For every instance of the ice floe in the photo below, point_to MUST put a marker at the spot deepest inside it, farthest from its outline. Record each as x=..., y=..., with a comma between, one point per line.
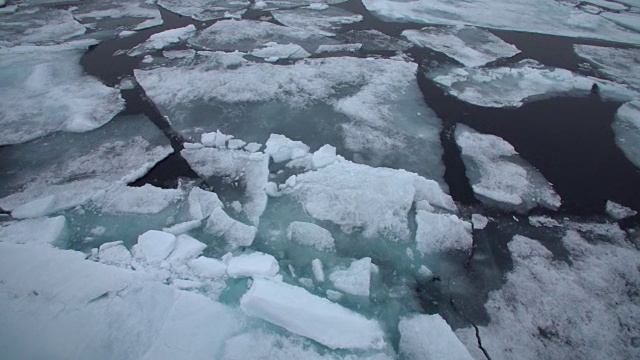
x=36, y=25
x=355, y=280
x=442, y=232
x=254, y=264
x=272, y=52
x=159, y=41
x=204, y=10
x=374, y=40
x=618, y=211
x=468, y=45
x=338, y=48
x=629, y=20
x=479, y=221
x=499, y=176
x=113, y=16
x=33, y=231
x=323, y=22
x=312, y=235
x=281, y=148
x=147, y=199
x=608, y=5
x=614, y=63
x=429, y=337
x=626, y=128
x=234, y=232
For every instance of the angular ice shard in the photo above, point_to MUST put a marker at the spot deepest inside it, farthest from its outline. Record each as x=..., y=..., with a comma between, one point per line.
x=34, y=209
x=355, y=280
x=323, y=22
x=544, y=16
x=38, y=25
x=281, y=148
x=614, y=63
x=159, y=41
x=338, y=48
x=618, y=211
x=317, y=269
x=235, y=233
x=302, y=313
x=186, y=249
x=312, y=235
x=43, y=89
x=526, y=81
x=205, y=10
x=468, y=45
x=550, y=309
x=626, y=128
x=499, y=176
x=441, y=233
x=374, y=40
x=207, y=268
x=33, y=231
x=429, y=337
x=254, y=264
x=272, y=52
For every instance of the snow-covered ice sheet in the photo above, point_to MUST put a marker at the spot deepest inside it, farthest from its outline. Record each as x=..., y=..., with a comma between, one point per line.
x=442, y=232
x=33, y=231
x=499, y=176
x=147, y=199
x=429, y=337
x=323, y=22
x=609, y=5
x=629, y=20
x=614, y=63
x=468, y=45
x=36, y=25
x=525, y=81
x=626, y=128
x=544, y=16
x=43, y=89
x=159, y=41
x=204, y=10
x=303, y=313
x=254, y=264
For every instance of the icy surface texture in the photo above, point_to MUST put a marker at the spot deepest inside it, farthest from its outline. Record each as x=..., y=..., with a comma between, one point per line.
x=429, y=337
x=479, y=222
x=86, y=165
x=526, y=81
x=355, y=280
x=613, y=63
x=468, y=45
x=254, y=264
x=38, y=25
x=204, y=10
x=544, y=16
x=618, y=211
x=499, y=176
x=272, y=52
x=442, y=232
x=376, y=106
x=33, y=231
x=312, y=235
x=374, y=40
x=323, y=22
x=629, y=20
x=626, y=128
x=113, y=16
x=159, y=41
x=43, y=89
x=584, y=310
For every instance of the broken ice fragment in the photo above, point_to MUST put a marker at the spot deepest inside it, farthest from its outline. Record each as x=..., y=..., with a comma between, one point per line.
x=280, y=51
x=281, y=148
x=159, y=41
x=154, y=246
x=338, y=48
x=38, y=26
x=323, y=22
x=355, y=280
x=318, y=271
x=33, y=231
x=186, y=249
x=254, y=264
x=114, y=253
x=479, y=222
x=215, y=139
x=324, y=156
x=614, y=63
x=374, y=40
x=33, y=209
x=429, y=337
x=183, y=227
x=312, y=235
x=205, y=10
x=618, y=211
x=626, y=128
x=147, y=199
x=202, y=203
x=235, y=233
x=442, y=232
x=207, y=268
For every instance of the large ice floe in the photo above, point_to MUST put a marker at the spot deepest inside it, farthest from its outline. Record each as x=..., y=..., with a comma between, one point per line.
x=113, y=16
x=499, y=176
x=35, y=25
x=613, y=63
x=204, y=10
x=159, y=41
x=468, y=45
x=585, y=308
x=371, y=108
x=525, y=81
x=537, y=16
x=43, y=89
x=322, y=22
x=442, y=342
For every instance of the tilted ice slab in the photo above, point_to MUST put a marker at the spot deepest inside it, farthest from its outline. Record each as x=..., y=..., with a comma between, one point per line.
x=605, y=4
x=116, y=15
x=375, y=200
x=86, y=165
x=550, y=309
x=543, y=16
x=613, y=63
x=37, y=25
x=441, y=233
x=43, y=89
x=247, y=35
x=316, y=318
x=499, y=176
x=429, y=337
x=159, y=41
x=468, y=45
x=626, y=128
x=204, y=10
x=526, y=81
x=324, y=22
x=375, y=105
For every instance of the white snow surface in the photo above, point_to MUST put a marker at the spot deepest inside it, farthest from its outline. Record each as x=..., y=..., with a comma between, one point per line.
x=234, y=232
x=114, y=14
x=355, y=280
x=338, y=48
x=161, y=40
x=499, y=176
x=479, y=221
x=324, y=156
x=442, y=232
x=281, y=148
x=312, y=235
x=38, y=26
x=33, y=231
x=613, y=63
x=202, y=203
x=254, y=264
x=147, y=199
x=154, y=246
x=316, y=318
x=318, y=270
x=626, y=128
x=618, y=211
x=629, y=20
x=429, y=337
x=273, y=52
x=468, y=45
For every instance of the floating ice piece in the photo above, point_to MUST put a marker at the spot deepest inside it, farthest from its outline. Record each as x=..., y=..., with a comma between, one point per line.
x=525, y=81
x=116, y=15
x=324, y=156
x=33, y=209
x=215, y=139
x=114, y=253
x=161, y=40
x=629, y=20
x=626, y=128
x=317, y=269
x=338, y=48
x=249, y=169
x=33, y=231
x=479, y=222
x=234, y=232
x=468, y=45
x=273, y=52
x=618, y=211
x=354, y=280
x=186, y=249
x=614, y=63
x=183, y=227
x=44, y=89
x=147, y=199
x=429, y=337
x=544, y=16
x=499, y=176
x=539, y=220
x=254, y=264
x=323, y=22
x=608, y=5
x=207, y=268
x=235, y=144
x=281, y=148
x=302, y=313
x=154, y=246
x=442, y=232
x=39, y=25
x=312, y=235
x=425, y=272
x=202, y=203
x=374, y=40
x=205, y=10
x=253, y=147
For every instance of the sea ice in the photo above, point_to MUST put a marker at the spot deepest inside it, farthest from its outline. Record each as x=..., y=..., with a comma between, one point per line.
x=317, y=269
x=618, y=211
x=312, y=235
x=608, y=5
x=442, y=232
x=154, y=246
x=629, y=20
x=33, y=231
x=281, y=148
x=234, y=232
x=117, y=15
x=324, y=156
x=338, y=48
x=302, y=313
x=205, y=10
x=114, y=253
x=38, y=26
x=34, y=209
x=525, y=81
x=272, y=52
x=202, y=203
x=468, y=45
x=254, y=264
x=374, y=40
x=429, y=337
x=183, y=227
x=614, y=63
x=323, y=22
x=355, y=280
x=499, y=176
x=626, y=128
x=148, y=199
x=161, y=40
x=207, y=268
x=479, y=222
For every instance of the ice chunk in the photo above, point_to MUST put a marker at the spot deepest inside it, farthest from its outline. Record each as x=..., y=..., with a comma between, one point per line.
x=114, y=253
x=43, y=89
x=202, y=203
x=33, y=209
x=208, y=268
x=186, y=249
x=538, y=221
x=38, y=26
x=302, y=313
x=629, y=20
x=605, y=4
x=183, y=227
x=215, y=139
x=442, y=232
x=253, y=147
x=425, y=272
x=254, y=264
x=479, y=222
x=161, y=40
x=277, y=51
x=374, y=40
x=626, y=128
x=154, y=246
x=249, y=169
x=281, y=148
x=429, y=337
x=544, y=16
x=338, y=48
x=526, y=81
x=499, y=176
x=234, y=232
x=312, y=235
x=614, y=63
x=324, y=22
x=354, y=280
x=324, y=156
x=235, y=144
x=468, y=45
x=112, y=16
x=147, y=199
x=318, y=271
x=33, y=231
x=618, y=211
x=205, y=10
